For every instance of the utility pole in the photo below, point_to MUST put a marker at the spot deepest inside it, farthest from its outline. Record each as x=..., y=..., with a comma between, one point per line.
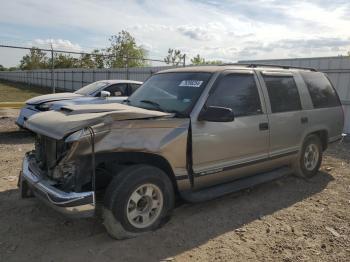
x=184, y=60
x=52, y=72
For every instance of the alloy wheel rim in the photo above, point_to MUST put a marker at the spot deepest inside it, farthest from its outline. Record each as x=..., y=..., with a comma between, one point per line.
x=144, y=205
x=311, y=156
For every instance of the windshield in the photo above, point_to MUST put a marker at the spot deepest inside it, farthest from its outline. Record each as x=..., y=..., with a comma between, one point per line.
x=91, y=88
x=170, y=92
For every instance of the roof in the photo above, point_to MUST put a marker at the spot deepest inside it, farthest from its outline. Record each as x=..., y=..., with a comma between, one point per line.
x=218, y=68
x=118, y=81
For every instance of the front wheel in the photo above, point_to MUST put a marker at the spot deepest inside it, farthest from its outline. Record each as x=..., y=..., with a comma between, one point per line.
x=310, y=157
x=138, y=200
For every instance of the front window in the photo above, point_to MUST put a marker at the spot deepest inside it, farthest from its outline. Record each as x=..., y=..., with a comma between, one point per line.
x=170, y=92
x=91, y=89
x=118, y=89
x=237, y=92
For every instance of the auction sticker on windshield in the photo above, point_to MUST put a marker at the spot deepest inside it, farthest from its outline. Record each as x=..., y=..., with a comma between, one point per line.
x=191, y=83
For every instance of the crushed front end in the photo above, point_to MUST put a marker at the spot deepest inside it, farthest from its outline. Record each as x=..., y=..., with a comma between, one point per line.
x=48, y=173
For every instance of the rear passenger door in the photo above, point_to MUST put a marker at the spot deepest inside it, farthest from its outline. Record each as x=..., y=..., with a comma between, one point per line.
x=286, y=118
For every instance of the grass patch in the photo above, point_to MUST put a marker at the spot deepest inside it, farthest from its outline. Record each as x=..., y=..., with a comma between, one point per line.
x=18, y=92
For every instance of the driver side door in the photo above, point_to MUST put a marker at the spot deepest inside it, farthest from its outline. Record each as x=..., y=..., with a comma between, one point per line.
x=224, y=151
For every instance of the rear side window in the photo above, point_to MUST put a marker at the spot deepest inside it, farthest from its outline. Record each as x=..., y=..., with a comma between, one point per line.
x=283, y=93
x=321, y=91
x=238, y=92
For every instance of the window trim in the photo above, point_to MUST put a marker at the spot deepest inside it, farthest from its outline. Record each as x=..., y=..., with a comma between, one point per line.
x=234, y=72
x=280, y=74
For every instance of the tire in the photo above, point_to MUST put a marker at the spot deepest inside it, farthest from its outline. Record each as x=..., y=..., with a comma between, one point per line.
x=310, y=158
x=138, y=200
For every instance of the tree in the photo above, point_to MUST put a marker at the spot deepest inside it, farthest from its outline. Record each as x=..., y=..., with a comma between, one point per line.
x=86, y=61
x=174, y=57
x=197, y=60
x=64, y=61
x=36, y=59
x=213, y=62
x=99, y=59
x=124, y=51
x=2, y=68
x=94, y=60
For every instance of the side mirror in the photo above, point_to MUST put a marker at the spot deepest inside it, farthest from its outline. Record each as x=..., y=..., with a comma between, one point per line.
x=105, y=94
x=216, y=114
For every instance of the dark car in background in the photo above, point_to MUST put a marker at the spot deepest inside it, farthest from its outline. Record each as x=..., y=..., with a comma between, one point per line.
x=100, y=92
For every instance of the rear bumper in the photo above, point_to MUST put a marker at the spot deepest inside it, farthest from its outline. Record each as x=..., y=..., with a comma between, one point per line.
x=69, y=203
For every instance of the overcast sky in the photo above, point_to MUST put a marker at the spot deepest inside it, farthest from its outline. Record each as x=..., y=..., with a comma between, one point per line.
x=226, y=30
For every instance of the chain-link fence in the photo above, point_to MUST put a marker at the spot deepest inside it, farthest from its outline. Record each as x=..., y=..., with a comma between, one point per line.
x=73, y=79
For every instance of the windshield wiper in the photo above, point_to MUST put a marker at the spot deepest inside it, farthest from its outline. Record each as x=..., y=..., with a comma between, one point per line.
x=177, y=113
x=155, y=104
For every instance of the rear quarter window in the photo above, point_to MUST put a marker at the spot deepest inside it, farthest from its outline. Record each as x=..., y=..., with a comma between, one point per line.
x=321, y=90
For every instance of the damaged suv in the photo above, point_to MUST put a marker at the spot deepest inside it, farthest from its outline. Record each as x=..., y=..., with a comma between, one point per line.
x=196, y=133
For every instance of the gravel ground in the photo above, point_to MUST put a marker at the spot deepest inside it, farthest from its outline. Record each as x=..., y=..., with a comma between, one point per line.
x=286, y=220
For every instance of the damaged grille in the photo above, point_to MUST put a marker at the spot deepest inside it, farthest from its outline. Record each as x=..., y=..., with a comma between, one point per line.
x=48, y=152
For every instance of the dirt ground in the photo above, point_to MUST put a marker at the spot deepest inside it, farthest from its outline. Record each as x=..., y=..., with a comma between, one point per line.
x=285, y=220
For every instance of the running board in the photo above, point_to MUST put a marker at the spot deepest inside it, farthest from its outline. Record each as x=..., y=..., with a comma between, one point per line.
x=234, y=186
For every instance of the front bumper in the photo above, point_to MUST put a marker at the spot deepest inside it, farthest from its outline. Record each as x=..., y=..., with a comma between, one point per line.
x=69, y=203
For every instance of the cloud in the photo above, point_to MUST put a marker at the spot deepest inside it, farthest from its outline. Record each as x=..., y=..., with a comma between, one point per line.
x=60, y=44
x=227, y=30
x=205, y=32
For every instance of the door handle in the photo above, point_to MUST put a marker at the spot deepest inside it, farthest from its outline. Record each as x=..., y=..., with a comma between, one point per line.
x=264, y=126
x=304, y=120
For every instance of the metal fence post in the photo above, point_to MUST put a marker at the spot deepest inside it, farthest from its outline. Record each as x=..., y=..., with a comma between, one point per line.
x=64, y=80
x=52, y=72
x=127, y=67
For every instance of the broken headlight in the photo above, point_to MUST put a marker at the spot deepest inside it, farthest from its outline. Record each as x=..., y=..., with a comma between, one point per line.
x=64, y=171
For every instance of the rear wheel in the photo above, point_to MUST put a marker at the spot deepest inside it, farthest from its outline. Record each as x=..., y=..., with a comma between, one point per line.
x=138, y=200
x=310, y=158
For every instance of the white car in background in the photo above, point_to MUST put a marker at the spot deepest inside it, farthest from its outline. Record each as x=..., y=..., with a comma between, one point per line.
x=100, y=92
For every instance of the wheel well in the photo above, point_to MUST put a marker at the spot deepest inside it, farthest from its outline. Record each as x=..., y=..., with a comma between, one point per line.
x=115, y=162
x=323, y=135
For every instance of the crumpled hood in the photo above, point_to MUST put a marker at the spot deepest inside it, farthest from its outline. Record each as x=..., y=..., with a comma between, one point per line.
x=51, y=97
x=57, y=105
x=58, y=124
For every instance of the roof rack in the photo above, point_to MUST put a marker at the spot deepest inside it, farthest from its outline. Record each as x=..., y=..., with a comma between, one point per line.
x=254, y=65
